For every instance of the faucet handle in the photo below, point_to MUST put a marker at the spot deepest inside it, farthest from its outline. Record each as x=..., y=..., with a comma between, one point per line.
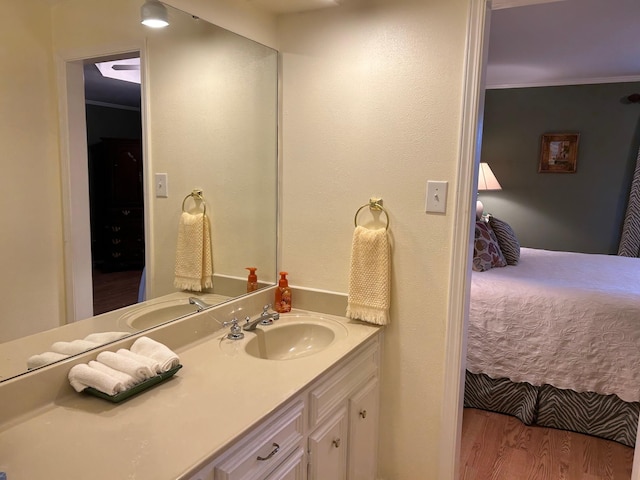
x=233, y=321
x=235, y=330
x=265, y=309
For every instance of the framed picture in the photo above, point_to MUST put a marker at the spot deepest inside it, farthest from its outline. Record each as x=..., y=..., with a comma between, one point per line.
x=559, y=153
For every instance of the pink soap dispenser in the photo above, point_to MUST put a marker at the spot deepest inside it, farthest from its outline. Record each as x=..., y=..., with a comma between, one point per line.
x=282, y=303
x=252, y=280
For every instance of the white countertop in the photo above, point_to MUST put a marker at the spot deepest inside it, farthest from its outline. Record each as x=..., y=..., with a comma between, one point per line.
x=171, y=429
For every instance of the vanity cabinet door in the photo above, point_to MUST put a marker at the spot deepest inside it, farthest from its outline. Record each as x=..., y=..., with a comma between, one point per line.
x=328, y=448
x=363, y=432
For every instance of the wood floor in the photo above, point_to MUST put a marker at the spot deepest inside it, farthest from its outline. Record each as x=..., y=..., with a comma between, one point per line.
x=112, y=290
x=500, y=447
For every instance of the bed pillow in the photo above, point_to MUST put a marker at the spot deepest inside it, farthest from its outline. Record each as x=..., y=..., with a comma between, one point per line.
x=486, y=250
x=509, y=245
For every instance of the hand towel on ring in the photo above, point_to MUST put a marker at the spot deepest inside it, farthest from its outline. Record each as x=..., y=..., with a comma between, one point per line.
x=369, y=276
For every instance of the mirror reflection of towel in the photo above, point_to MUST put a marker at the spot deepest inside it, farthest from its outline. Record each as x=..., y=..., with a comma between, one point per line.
x=194, y=264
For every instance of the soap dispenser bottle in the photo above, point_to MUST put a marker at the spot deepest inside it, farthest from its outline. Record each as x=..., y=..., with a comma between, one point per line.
x=282, y=303
x=252, y=281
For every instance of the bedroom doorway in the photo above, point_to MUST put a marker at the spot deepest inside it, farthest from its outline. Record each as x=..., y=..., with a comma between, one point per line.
x=473, y=119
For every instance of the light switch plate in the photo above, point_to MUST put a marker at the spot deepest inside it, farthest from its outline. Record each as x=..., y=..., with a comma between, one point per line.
x=162, y=187
x=436, y=197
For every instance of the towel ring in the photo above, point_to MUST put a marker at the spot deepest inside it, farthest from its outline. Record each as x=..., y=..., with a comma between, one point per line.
x=196, y=195
x=374, y=204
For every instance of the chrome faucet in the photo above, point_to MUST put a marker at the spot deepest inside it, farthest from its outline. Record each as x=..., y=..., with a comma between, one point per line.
x=200, y=305
x=265, y=318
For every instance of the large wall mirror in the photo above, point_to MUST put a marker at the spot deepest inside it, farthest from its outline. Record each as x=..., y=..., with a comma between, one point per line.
x=208, y=122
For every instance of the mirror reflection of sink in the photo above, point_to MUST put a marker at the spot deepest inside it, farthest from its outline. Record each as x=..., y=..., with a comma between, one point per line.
x=297, y=337
x=161, y=312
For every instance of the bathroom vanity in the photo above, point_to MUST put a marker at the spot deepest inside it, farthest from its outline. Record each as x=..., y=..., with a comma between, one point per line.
x=227, y=414
x=328, y=431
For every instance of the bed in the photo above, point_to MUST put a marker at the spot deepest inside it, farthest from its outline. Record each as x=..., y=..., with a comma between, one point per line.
x=555, y=341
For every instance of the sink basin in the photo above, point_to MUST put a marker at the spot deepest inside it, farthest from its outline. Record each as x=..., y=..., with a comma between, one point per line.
x=161, y=312
x=294, y=338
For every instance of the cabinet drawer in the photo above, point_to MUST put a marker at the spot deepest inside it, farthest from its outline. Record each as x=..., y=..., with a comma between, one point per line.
x=330, y=393
x=293, y=468
x=262, y=451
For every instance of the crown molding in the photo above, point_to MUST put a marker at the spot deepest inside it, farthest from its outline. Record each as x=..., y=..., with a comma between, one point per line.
x=499, y=4
x=566, y=82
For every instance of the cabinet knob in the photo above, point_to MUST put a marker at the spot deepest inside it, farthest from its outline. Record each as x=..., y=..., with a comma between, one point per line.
x=363, y=413
x=273, y=452
x=336, y=443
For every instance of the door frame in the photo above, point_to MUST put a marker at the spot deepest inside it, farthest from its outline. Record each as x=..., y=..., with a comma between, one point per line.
x=75, y=175
x=462, y=241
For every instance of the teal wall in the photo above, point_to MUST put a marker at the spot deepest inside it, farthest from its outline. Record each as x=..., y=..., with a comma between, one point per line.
x=582, y=211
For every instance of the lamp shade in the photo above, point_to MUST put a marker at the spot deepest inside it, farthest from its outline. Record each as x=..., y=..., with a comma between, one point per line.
x=486, y=179
x=154, y=14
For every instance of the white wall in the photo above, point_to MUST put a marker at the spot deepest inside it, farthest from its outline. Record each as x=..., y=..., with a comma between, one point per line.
x=31, y=239
x=371, y=106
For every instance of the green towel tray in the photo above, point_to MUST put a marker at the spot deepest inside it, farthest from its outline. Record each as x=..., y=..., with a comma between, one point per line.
x=140, y=387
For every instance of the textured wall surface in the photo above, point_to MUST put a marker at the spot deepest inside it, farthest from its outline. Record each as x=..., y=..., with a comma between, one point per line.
x=371, y=107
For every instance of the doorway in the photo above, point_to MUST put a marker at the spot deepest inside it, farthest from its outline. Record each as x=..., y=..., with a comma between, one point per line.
x=115, y=174
x=471, y=133
x=106, y=100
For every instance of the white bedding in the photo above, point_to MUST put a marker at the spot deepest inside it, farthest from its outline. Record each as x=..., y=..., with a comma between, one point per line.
x=571, y=320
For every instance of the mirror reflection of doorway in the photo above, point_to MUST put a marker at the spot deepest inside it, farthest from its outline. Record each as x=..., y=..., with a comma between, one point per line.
x=115, y=170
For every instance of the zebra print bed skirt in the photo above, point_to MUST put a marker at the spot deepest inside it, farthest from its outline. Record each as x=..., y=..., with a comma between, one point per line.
x=604, y=416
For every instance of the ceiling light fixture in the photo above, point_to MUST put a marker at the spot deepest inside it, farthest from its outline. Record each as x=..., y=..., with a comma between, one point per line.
x=154, y=14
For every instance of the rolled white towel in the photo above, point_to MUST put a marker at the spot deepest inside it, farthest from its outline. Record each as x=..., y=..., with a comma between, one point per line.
x=127, y=380
x=82, y=376
x=167, y=358
x=44, y=358
x=154, y=365
x=139, y=371
x=105, y=337
x=74, y=347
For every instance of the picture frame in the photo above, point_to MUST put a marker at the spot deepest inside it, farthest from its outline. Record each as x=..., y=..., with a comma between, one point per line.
x=559, y=153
